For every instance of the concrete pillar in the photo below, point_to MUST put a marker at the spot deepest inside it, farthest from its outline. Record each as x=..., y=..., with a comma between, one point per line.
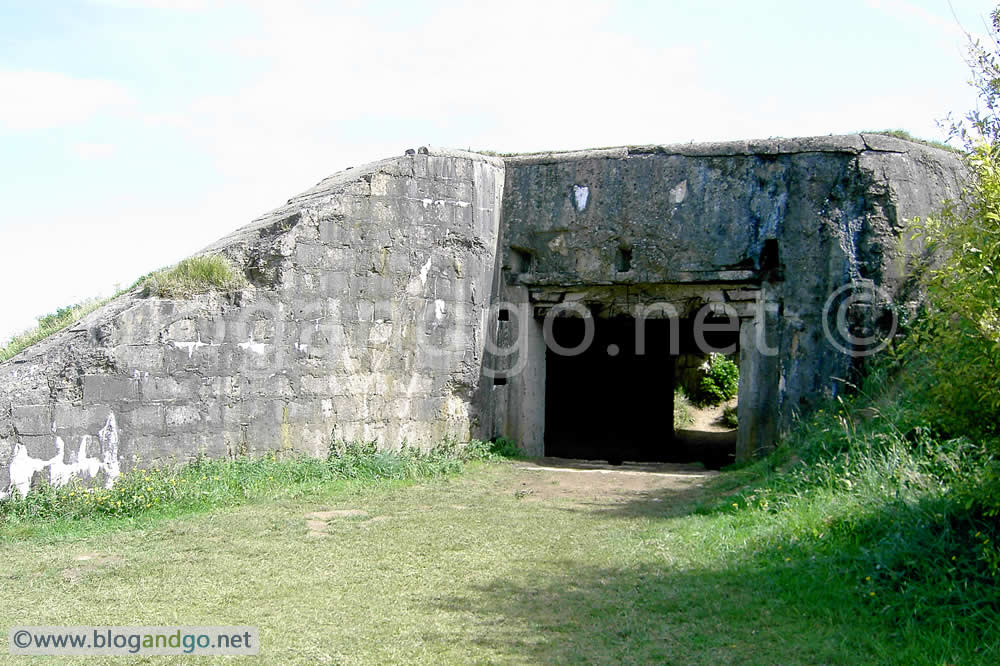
x=526, y=402
x=760, y=379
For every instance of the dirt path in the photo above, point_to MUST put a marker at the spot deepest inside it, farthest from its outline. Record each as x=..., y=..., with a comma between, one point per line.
x=709, y=419
x=590, y=482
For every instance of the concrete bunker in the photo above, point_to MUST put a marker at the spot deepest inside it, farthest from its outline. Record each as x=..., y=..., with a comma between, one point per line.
x=406, y=301
x=605, y=381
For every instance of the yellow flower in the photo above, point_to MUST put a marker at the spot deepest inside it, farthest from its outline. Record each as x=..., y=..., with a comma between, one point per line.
x=871, y=594
x=868, y=577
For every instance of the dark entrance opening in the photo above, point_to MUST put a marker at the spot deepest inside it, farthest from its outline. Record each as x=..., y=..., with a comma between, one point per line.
x=608, y=402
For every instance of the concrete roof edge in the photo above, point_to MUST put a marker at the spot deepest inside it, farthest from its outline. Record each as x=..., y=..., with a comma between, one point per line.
x=844, y=143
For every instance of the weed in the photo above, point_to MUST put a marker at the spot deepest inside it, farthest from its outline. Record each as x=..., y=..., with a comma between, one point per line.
x=196, y=275
x=906, y=136
x=729, y=417
x=682, y=410
x=203, y=484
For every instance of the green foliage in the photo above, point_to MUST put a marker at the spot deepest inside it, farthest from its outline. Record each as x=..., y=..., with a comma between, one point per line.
x=720, y=381
x=196, y=275
x=49, y=325
x=729, y=417
x=949, y=366
x=682, y=410
x=498, y=449
x=858, y=499
x=203, y=484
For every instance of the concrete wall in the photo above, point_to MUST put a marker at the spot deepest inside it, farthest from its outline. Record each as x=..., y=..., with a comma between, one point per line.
x=369, y=313
x=364, y=322
x=783, y=222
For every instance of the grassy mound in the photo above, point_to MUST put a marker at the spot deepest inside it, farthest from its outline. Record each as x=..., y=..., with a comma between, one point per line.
x=878, y=511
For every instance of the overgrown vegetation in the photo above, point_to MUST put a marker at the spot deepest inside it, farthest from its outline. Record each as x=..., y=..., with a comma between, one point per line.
x=205, y=484
x=906, y=136
x=195, y=275
x=682, y=410
x=48, y=325
x=719, y=381
x=729, y=417
x=888, y=499
x=866, y=499
x=54, y=322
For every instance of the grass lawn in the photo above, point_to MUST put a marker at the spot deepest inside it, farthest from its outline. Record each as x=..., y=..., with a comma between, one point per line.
x=505, y=563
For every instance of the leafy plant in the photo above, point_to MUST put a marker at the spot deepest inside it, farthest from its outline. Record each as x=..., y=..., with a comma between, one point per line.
x=729, y=418
x=720, y=380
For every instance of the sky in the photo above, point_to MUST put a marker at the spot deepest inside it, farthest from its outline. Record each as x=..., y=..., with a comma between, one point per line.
x=133, y=133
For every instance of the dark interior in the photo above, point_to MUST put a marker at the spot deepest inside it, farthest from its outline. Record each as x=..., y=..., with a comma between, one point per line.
x=608, y=403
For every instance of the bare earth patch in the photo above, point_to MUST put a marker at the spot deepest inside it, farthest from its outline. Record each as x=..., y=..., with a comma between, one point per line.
x=589, y=482
x=319, y=521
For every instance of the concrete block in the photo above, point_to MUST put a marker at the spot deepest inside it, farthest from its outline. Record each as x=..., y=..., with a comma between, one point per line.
x=109, y=389
x=33, y=419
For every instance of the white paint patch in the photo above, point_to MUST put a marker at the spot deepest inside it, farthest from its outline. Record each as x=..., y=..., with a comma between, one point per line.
x=581, y=193
x=61, y=472
x=440, y=309
x=679, y=192
x=111, y=463
x=23, y=467
x=192, y=346
x=255, y=347
x=425, y=271
x=418, y=284
x=301, y=347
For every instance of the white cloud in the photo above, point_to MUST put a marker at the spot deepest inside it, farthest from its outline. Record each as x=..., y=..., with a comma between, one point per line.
x=947, y=27
x=39, y=100
x=179, y=5
x=93, y=151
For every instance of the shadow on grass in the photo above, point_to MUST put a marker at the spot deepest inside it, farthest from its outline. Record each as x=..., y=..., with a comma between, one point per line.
x=873, y=588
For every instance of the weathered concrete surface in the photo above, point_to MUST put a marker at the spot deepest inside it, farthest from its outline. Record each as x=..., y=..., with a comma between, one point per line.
x=364, y=321
x=368, y=314
x=785, y=222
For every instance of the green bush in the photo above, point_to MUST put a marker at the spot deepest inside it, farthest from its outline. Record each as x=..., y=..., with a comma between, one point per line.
x=720, y=380
x=729, y=417
x=196, y=275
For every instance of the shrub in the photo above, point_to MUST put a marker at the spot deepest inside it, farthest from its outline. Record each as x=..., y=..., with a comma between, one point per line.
x=720, y=381
x=196, y=275
x=729, y=418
